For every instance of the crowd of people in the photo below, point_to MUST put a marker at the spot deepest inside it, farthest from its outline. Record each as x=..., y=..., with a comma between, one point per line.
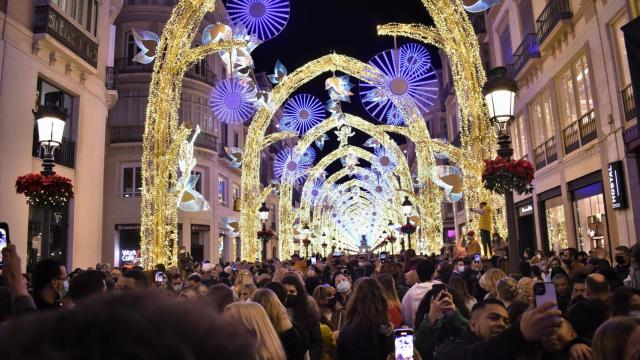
x=336, y=307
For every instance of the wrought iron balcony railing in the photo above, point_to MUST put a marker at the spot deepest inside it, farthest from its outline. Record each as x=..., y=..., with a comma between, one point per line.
x=135, y=134
x=527, y=50
x=553, y=13
x=47, y=20
x=628, y=103
x=580, y=132
x=124, y=66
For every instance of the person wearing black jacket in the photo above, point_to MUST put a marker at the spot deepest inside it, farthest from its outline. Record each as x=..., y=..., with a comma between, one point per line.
x=302, y=312
x=490, y=337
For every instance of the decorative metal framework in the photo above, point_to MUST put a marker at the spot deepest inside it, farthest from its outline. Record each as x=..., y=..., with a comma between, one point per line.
x=163, y=135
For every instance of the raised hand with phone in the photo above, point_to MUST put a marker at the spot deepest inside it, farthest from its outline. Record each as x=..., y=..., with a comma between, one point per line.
x=441, y=306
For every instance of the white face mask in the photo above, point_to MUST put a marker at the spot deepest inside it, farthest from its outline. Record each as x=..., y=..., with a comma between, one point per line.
x=635, y=314
x=461, y=269
x=343, y=286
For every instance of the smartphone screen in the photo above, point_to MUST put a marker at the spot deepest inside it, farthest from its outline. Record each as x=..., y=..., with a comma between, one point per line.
x=159, y=277
x=383, y=256
x=403, y=344
x=4, y=237
x=313, y=260
x=544, y=293
x=476, y=258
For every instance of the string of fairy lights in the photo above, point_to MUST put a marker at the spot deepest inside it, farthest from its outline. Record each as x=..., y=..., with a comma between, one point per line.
x=164, y=134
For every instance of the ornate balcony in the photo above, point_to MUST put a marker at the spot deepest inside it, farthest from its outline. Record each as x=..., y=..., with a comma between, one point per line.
x=546, y=153
x=527, y=50
x=553, y=13
x=48, y=20
x=135, y=133
x=124, y=66
x=628, y=103
x=64, y=155
x=110, y=79
x=580, y=132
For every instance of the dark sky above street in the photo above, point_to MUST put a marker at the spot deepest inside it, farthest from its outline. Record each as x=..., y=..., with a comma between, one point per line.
x=317, y=28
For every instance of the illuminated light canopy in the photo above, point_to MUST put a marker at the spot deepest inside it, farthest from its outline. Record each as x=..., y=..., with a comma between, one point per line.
x=232, y=101
x=408, y=74
x=291, y=168
x=265, y=18
x=301, y=113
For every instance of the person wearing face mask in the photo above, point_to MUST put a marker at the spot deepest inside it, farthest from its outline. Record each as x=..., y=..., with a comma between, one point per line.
x=302, y=312
x=50, y=284
x=325, y=297
x=569, y=258
x=623, y=262
x=343, y=285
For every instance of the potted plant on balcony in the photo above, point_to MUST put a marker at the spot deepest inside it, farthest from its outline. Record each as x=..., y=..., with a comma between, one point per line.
x=502, y=175
x=45, y=190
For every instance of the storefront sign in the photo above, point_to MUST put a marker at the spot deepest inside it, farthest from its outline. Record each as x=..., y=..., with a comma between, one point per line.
x=121, y=227
x=525, y=210
x=616, y=185
x=200, y=228
x=130, y=256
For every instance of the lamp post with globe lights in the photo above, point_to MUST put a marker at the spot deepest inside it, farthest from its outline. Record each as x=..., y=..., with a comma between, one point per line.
x=306, y=242
x=407, y=209
x=264, y=234
x=499, y=93
x=50, y=119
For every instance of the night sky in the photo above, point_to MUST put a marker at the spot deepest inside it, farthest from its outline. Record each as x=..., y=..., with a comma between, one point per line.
x=348, y=27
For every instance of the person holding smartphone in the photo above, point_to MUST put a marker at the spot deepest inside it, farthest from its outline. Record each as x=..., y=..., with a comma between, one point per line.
x=438, y=319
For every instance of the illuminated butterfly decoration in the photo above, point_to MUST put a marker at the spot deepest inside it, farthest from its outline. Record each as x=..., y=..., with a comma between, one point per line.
x=216, y=32
x=372, y=143
x=147, y=42
x=339, y=88
x=481, y=6
x=235, y=155
x=334, y=107
x=320, y=141
x=237, y=60
x=279, y=73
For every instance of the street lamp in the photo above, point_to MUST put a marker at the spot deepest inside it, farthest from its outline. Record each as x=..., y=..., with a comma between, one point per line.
x=264, y=217
x=407, y=209
x=499, y=93
x=324, y=244
x=306, y=231
x=50, y=119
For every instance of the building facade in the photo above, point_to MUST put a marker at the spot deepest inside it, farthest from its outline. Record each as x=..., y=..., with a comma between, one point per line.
x=64, y=47
x=572, y=109
x=207, y=235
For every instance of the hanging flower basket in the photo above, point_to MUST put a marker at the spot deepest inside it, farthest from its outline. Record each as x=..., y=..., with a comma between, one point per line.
x=504, y=175
x=40, y=190
x=265, y=235
x=391, y=239
x=408, y=229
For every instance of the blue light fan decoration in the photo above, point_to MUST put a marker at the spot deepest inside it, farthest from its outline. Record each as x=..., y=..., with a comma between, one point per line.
x=408, y=74
x=265, y=18
x=288, y=167
x=232, y=101
x=301, y=113
x=383, y=161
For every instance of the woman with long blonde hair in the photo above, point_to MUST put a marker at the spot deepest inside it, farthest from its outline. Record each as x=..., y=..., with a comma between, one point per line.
x=489, y=280
x=289, y=335
x=254, y=318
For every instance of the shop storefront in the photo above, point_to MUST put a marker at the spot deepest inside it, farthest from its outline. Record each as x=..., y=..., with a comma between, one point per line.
x=526, y=225
x=58, y=235
x=127, y=244
x=553, y=229
x=589, y=212
x=199, y=236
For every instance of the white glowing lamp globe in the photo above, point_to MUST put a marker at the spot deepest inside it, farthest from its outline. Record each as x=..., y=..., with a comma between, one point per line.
x=50, y=120
x=499, y=94
x=264, y=212
x=50, y=130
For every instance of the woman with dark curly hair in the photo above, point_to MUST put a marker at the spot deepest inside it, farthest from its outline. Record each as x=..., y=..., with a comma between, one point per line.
x=368, y=332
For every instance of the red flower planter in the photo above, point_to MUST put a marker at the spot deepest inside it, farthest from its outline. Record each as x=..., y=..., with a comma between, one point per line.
x=40, y=190
x=504, y=175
